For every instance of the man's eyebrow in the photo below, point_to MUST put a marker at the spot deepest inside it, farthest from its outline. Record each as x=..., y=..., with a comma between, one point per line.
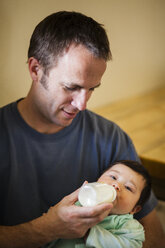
x=71, y=84
x=96, y=86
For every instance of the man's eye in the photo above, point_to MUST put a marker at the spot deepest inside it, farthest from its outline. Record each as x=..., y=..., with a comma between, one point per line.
x=71, y=89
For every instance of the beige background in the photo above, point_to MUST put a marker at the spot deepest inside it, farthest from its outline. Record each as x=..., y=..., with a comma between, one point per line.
x=136, y=29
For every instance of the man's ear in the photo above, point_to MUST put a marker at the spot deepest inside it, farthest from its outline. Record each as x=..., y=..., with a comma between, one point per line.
x=136, y=209
x=34, y=69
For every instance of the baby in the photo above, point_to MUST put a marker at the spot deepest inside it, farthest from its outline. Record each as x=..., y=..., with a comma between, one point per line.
x=118, y=230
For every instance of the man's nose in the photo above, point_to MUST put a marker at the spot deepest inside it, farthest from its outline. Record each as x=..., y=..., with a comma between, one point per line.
x=79, y=101
x=116, y=186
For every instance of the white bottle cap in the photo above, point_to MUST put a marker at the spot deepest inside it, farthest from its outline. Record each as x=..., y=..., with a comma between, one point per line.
x=92, y=194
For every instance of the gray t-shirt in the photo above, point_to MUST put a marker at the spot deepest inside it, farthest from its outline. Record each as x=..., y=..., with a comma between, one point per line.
x=37, y=170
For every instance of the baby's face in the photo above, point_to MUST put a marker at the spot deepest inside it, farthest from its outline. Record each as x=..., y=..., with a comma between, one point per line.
x=128, y=184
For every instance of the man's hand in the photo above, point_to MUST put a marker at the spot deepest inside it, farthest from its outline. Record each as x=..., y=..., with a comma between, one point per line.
x=66, y=220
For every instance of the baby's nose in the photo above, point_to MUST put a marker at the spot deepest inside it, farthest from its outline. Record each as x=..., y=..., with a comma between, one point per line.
x=116, y=186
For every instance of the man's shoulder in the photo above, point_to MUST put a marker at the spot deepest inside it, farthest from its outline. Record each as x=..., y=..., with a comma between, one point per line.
x=7, y=107
x=6, y=112
x=101, y=124
x=98, y=119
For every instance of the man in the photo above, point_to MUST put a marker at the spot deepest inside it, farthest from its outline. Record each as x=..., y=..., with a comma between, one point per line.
x=50, y=144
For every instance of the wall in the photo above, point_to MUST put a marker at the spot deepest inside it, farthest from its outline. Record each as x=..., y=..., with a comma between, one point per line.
x=135, y=29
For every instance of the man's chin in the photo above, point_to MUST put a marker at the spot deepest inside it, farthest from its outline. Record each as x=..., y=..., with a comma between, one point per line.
x=65, y=123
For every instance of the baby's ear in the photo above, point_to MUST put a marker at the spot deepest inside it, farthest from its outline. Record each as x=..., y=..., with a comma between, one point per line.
x=136, y=209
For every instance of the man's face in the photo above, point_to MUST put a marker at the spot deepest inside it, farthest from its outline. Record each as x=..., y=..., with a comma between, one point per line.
x=128, y=184
x=61, y=94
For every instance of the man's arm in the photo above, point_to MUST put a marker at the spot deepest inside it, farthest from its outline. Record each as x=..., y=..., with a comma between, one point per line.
x=64, y=220
x=155, y=237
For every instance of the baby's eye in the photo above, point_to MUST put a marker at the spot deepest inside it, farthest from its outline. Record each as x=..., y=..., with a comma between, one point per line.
x=128, y=188
x=113, y=177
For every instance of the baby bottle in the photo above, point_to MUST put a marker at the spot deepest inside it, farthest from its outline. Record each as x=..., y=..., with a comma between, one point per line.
x=92, y=194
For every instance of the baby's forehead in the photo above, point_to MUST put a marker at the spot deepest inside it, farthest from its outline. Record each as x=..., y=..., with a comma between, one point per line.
x=124, y=167
x=117, y=166
x=120, y=168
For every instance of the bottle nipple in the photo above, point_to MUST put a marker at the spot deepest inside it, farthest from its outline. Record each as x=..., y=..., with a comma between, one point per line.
x=92, y=194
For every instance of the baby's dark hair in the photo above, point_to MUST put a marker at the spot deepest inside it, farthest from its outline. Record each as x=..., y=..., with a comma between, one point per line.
x=140, y=169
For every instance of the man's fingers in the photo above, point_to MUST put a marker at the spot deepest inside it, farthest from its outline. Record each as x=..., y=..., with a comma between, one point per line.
x=96, y=210
x=92, y=215
x=73, y=197
x=82, y=217
x=75, y=219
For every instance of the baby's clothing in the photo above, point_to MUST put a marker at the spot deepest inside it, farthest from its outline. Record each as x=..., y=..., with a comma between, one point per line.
x=116, y=231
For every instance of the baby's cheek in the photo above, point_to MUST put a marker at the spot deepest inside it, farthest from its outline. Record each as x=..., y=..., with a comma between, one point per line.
x=105, y=180
x=124, y=206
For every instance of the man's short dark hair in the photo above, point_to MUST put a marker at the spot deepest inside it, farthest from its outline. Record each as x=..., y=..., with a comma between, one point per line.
x=140, y=169
x=59, y=30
